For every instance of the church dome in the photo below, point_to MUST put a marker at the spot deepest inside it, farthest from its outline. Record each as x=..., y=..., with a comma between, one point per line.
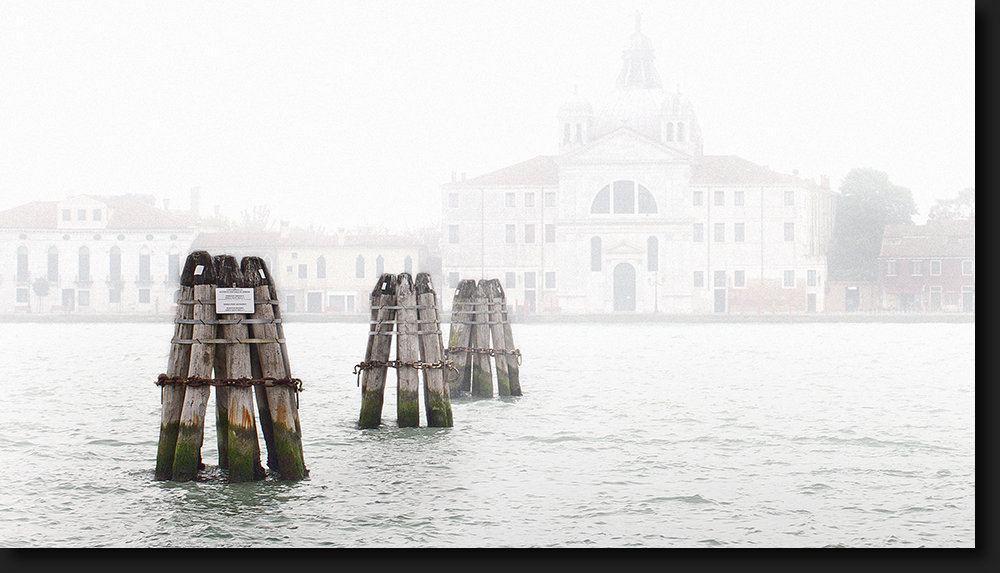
x=636, y=109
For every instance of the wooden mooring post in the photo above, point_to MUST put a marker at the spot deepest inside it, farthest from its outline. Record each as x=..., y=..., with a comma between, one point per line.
x=412, y=309
x=479, y=313
x=227, y=336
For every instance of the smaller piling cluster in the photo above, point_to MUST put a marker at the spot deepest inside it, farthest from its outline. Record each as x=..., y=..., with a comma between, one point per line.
x=243, y=356
x=479, y=313
x=412, y=309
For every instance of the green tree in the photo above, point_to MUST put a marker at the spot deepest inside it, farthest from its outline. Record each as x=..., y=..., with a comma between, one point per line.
x=962, y=207
x=868, y=202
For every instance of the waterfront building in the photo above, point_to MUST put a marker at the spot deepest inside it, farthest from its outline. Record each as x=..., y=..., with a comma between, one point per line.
x=93, y=254
x=929, y=267
x=631, y=216
x=325, y=274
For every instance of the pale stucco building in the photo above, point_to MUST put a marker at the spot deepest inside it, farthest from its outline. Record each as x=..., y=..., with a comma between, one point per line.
x=631, y=216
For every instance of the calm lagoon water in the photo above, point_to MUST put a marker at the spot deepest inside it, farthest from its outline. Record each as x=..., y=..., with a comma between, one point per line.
x=653, y=435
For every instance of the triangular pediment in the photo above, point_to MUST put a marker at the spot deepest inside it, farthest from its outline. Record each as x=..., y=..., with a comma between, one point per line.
x=624, y=145
x=624, y=248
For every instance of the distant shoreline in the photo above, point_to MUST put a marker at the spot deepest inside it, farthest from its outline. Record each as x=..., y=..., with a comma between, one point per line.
x=546, y=318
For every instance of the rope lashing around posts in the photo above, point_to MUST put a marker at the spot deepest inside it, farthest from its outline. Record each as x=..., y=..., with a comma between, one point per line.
x=493, y=352
x=416, y=364
x=164, y=380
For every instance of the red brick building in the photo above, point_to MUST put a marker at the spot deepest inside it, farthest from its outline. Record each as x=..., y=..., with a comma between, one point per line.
x=929, y=268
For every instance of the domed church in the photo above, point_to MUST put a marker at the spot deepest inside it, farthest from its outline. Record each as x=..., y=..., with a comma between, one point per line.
x=632, y=217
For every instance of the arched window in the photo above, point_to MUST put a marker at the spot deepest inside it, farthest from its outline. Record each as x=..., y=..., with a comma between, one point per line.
x=22, y=264
x=84, y=266
x=408, y=265
x=670, y=131
x=646, y=202
x=680, y=131
x=566, y=133
x=602, y=202
x=579, y=133
x=624, y=199
x=379, y=265
x=115, y=265
x=321, y=267
x=595, y=254
x=652, y=254
x=53, y=274
x=359, y=267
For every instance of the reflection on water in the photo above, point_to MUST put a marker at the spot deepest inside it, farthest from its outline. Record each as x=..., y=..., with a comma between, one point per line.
x=661, y=435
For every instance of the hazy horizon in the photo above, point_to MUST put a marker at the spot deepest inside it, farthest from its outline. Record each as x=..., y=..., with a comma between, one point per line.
x=354, y=114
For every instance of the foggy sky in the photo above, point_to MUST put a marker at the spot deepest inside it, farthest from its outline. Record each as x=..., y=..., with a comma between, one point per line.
x=354, y=113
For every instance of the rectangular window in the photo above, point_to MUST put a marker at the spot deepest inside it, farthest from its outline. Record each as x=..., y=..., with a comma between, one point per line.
x=891, y=268
x=510, y=280
x=529, y=280
x=967, y=267
x=115, y=295
x=719, y=279
x=698, y=198
x=53, y=270
x=811, y=279
x=22, y=295
x=916, y=268
x=144, y=274
x=290, y=303
x=453, y=233
x=698, y=232
x=739, y=279
x=550, y=279
x=550, y=233
x=699, y=279
x=508, y=199
x=453, y=200
x=738, y=198
x=303, y=271
x=97, y=214
x=529, y=199
x=720, y=198
x=453, y=280
x=66, y=215
x=321, y=268
x=81, y=214
x=550, y=199
x=720, y=232
x=789, y=198
x=789, y=232
x=173, y=267
x=529, y=233
x=935, y=268
x=83, y=298
x=144, y=295
x=935, y=298
x=739, y=232
x=509, y=233
x=789, y=279
x=295, y=255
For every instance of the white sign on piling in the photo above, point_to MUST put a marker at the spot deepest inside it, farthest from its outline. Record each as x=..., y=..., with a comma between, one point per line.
x=234, y=301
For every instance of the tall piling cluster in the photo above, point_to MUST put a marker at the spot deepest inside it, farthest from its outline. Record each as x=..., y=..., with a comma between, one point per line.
x=479, y=314
x=232, y=340
x=411, y=308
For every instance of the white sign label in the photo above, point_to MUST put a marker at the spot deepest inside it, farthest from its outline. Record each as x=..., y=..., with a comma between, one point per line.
x=234, y=301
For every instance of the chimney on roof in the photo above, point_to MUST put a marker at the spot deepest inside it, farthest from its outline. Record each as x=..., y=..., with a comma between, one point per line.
x=463, y=176
x=196, y=202
x=340, y=235
x=454, y=177
x=283, y=233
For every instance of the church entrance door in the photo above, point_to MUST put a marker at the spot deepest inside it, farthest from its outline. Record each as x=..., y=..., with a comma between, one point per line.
x=624, y=287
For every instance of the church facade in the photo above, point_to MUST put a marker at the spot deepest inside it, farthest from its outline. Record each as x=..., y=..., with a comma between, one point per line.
x=631, y=216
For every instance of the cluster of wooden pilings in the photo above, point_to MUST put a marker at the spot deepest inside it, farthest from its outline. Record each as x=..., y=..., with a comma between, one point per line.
x=243, y=356
x=479, y=313
x=412, y=309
